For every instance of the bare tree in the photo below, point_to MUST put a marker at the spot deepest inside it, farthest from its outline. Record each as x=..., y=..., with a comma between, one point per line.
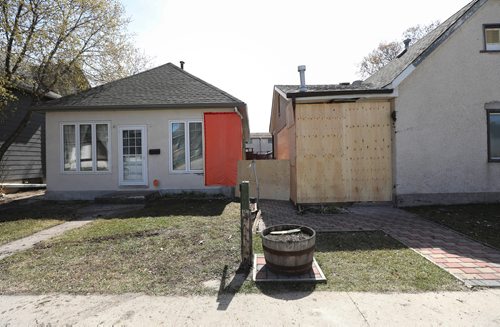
x=44, y=41
x=415, y=33
x=388, y=51
x=378, y=58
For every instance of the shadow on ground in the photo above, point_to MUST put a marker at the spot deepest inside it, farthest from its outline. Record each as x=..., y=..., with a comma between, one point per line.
x=41, y=209
x=72, y=210
x=179, y=207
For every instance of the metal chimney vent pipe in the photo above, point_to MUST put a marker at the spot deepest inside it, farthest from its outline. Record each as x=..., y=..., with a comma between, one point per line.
x=182, y=65
x=407, y=43
x=302, y=71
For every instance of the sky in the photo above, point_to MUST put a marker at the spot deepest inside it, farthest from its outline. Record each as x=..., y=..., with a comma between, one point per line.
x=247, y=47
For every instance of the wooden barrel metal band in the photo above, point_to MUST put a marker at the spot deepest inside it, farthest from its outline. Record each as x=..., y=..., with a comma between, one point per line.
x=287, y=269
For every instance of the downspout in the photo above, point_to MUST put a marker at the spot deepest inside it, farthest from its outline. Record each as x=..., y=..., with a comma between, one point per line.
x=242, y=127
x=238, y=112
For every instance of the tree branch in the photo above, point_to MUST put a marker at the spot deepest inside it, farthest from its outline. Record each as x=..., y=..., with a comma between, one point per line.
x=10, y=41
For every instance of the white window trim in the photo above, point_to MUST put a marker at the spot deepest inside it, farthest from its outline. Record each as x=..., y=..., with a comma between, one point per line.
x=145, y=178
x=188, y=169
x=94, y=170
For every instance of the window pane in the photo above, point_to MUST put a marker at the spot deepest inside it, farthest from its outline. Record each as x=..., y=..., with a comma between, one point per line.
x=69, y=141
x=86, y=147
x=195, y=146
x=492, y=36
x=102, y=139
x=495, y=136
x=492, y=39
x=178, y=147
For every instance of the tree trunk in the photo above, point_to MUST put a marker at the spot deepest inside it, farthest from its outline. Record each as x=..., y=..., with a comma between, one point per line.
x=12, y=137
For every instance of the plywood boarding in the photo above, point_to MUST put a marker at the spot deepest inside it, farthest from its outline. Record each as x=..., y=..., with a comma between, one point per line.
x=293, y=163
x=283, y=145
x=273, y=175
x=343, y=152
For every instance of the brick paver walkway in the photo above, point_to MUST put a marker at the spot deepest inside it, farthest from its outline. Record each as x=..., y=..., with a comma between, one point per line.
x=472, y=262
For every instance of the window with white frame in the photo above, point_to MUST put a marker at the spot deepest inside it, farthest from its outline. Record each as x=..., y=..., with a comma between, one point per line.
x=492, y=37
x=186, y=144
x=493, y=117
x=85, y=147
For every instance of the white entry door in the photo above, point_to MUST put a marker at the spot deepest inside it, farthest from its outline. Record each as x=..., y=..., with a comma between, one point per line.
x=133, y=166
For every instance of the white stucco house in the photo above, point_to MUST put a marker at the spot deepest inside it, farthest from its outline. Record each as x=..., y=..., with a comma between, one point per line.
x=423, y=130
x=160, y=130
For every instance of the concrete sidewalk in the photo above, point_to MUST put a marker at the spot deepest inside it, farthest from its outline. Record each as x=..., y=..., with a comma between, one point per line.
x=480, y=308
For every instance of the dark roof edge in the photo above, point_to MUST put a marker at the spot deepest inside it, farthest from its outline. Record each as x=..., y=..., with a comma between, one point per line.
x=143, y=107
x=294, y=95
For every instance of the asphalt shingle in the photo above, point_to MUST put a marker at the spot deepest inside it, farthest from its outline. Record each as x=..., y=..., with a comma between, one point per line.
x=166, y=85
x=417, y=52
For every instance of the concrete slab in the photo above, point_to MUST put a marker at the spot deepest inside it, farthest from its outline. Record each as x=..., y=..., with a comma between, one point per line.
x=430, y=309
x=313, y=309
x=261, y=273
x=323, y=309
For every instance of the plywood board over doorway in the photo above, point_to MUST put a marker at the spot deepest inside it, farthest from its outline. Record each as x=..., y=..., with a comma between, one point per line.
x=343, y=152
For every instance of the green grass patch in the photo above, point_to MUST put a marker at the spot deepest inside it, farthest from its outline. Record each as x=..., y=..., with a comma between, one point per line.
x=170, y=247
x=368, y=262
x=21, y=220
x=478, y=221
x=173, y=246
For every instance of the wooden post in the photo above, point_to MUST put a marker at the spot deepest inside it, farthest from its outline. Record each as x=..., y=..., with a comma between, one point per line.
x=246, y=227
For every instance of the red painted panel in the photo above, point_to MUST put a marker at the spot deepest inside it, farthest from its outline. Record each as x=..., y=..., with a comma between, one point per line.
x=223, y=148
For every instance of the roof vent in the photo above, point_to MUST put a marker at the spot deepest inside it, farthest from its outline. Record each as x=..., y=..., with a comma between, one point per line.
x=407, y=43
x=302, y=71
x=182, y=65
x=407, y=46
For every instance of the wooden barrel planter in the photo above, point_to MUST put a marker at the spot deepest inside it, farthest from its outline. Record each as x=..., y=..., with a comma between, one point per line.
x=289, y=254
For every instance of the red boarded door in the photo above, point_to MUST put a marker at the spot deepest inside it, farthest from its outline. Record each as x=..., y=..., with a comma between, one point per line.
x=223, y=148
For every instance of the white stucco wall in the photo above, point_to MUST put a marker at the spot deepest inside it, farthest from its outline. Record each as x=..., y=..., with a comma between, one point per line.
x=441, y=130
x=157, y=123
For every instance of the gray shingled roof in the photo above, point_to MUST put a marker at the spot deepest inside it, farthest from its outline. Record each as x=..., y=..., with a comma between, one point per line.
x=358, y=87
x=164, y=86
x=421, y=49
x=325, y=87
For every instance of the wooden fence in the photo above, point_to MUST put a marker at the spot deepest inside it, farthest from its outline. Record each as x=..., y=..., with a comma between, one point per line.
x=273, y=177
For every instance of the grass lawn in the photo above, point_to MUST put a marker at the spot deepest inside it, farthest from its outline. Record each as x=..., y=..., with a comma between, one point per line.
x=370, y=262
x=478, y=221
x=173, y=246
x=18, y=221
